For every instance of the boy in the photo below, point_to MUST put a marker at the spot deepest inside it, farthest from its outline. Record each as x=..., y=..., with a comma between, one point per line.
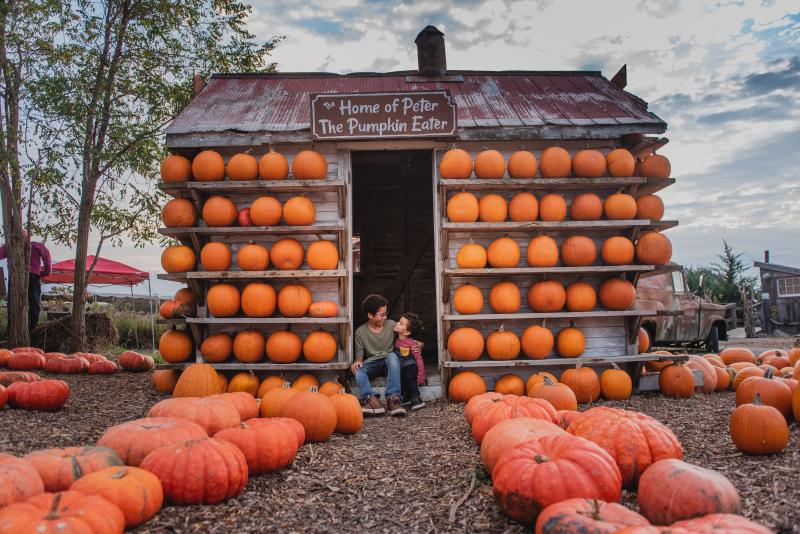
x=374, y=356
x=412, y=369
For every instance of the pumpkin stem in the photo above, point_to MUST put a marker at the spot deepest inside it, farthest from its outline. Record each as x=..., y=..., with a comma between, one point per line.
x=544, y=323
x=768, y=374
x=540, y=459
x=313, y=389
x=286, y=385
x=757, y=400
x=52, y=514
x=614, y=365
x=546, y=381
x=120, y=473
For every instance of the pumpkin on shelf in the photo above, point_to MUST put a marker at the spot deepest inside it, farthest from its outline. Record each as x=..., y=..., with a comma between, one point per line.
x=242, y=166
x=170, y=309
x=506, y=435
x=178, y=259
x=197, y=380
x=219, y=211
x=299, y=211
x=59, y=468
x=588, y=164
x=617, y=250
x=273, y=166
x=503, y=253
x=465, y=385
x=553, y=208
x=490, y=165
x=617, y=294
x=510, y=384
x=537, y=342
x=208, y=166
x=578, y=251
x=504, y=297
x=502, y=345
x=243, y=218
x=619, y=206
x=266, y=211
x=570, y=342
x=616, y=384
x=19, y=480
x=284, y=347
x=40, y=395
x=244, y=381
x=523, y=207
x=677, y=381
x=586, y=207
x=287, y=254
x=217, y=348
x=323, y=308
x=164, y=380
x=179, y=212
x=269, y=383
x=175, y=169
x=136, y=492
x=223, y=300
x=267, y=445
x=463, y=208
x=492, y=208
x=319, y=347
x=656, y=166
x=649, y=207
x=136, y=363
x=66, y=511
x=547, y=296
x=309, y=165
x=215, y=256
x=175, y=346
x=471, y=256
x=259, y=299
x=561, y=396
x=757, y=428
x=621, y=163
x=583, y=381
x=653, y=248
x=305, y=381
x=465, y=344
x=252, y=257
x=555, y=162
x=536, y=379
x=456, y=164
x=315, y=412
x=322, y=255
x=294, y=300
x=330, y=387
x=468, y=299
x=522, y=164
x=249, y=346
x=581, y=297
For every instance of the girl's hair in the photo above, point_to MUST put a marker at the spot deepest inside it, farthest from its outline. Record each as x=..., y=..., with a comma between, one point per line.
x=415, y=326
x=373, y=303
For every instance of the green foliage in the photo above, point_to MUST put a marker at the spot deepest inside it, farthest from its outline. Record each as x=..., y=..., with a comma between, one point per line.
x=132, y=326
x=722, y=280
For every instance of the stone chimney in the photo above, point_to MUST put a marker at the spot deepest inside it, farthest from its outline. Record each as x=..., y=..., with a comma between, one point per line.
x=430, y=52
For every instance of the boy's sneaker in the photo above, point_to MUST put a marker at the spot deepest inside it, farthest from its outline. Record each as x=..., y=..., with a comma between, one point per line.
x=406, y=401
x=417, y=403
x=394, y=407
x=372, y=406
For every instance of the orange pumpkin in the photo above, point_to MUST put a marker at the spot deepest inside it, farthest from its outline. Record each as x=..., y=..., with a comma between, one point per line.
x=588, y=164
x=178, y=259
x=284, y=347
x=547, y=296
x=504, y=297
x=523, y=207
x=502, y=345
x=242, y=167
x=266, y=211
x=258, y=300
x=305, y=382
x=619, y=206
x=522, y=164
x=299, y=211
x=309, y=165
x=468, y=300
x=269, y=383
x=649, y=207
x=542, y=252
x=471, y=256
x=617, y=250
x=570, y=342
x=653, y=248
x=465, y=344
x=617, y=294
x=287, y=254
x=490, y=165
x=322, y=255
x=552, y=207
x=463, y=207
x=578, y=251
x=175, y=168
x=656, y=166
x=620, y=162
x=492, y=208
x=217, y=348
x=584, y=382
x=219, y=211
x=208, y=166
x=215, y=256
x=179, y=212
x=465, y=385
x=555, y=162
x=252, y=257
x=581, y=297
x=586, y=207
x=509, y=384
x=294, y=300
x=223, y=300
x=537, y=342
x=455, y=165
x=323, y=308
x=503, y=253
x=273, y=166
x=175, y=346
x=320, y=347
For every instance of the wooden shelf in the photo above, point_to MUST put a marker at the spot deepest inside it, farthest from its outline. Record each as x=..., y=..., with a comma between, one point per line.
x=510, y=226
x=252, y=275
x=643, y=185
x=553, y=315
x=184, y=231
x=266, y=320
x=562, y=361
x=514, y=271
x=251, y=186
x=238, y=366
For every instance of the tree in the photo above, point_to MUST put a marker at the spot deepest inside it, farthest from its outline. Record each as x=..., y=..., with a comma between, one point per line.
x=731, y=270
x=120, y=71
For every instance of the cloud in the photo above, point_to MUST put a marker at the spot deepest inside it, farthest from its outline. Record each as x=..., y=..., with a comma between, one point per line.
x=768, y=82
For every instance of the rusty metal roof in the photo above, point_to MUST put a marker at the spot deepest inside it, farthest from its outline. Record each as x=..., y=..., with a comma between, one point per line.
x=280, y=102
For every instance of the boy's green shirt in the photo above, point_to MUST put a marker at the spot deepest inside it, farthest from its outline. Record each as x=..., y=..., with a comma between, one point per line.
x=372, y=346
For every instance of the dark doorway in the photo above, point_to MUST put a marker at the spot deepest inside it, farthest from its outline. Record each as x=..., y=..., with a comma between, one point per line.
x=393, y=221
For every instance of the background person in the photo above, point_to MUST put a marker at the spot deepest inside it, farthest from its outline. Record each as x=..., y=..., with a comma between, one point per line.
x=39, y=266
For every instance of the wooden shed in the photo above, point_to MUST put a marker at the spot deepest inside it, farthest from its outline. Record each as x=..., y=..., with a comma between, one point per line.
x=384, y=201
x=780, y=297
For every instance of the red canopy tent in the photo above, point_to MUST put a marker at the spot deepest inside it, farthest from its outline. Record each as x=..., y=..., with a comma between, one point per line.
x=105, y=272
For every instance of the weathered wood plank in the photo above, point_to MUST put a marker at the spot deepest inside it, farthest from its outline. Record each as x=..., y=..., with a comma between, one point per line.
x=251, y=230
x=478, y=364
x=263, y=366
x=553, y=315
x=604, y=182
x=247, y=275
x=265, y=320
x=510, y=226
x=591, y=269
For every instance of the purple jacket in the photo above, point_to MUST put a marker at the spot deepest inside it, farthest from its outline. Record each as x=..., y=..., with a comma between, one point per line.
x=40, y=259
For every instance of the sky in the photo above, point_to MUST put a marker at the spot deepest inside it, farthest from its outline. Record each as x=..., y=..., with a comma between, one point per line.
x=724, y=75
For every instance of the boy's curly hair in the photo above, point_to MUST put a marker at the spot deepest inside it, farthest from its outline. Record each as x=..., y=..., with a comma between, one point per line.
x=373, y=303
x=415, y=326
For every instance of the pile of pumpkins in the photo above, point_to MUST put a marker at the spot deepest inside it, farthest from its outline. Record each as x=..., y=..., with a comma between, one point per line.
x=125, y=479
x=564, y=471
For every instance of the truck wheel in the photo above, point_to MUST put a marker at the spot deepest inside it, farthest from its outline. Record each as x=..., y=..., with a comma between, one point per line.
x=712, y=341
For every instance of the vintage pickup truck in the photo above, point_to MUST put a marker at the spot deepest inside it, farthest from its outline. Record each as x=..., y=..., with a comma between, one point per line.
x=684, y=318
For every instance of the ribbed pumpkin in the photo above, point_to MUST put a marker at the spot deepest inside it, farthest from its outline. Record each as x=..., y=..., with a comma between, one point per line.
x=315, y=412
x=737, y=354
x=707, y=370
x=299, y=211
x=217, y=347
x=552, y=207
x=252, y=257
x=215, y=256
x=244, y=403
x=468, y=300
x=542, y=252
x=759, y=429
x=676, y=380
x=135, y=491
x=455, y=165
x=275, y=399
x=555, y=162
x=219, y=211
x=208, y=166
x=322, y=255
x=522, y=164
x=268, y=445
x=164, y=380
x=619, y=206
x=287, y=254
x=305, y=381
x=19, y=480
x=591, y=515
x=223, y=300
x=581, y=297
x=578, y=251
x=620, y=162
x=197, y=380
x=502, y=345
x=273, y=166
x=258, y=300
x=510, y=384
x=294, y=300
x=349, y=417
x=323, y=308
x=309, y=165
x=506, y=435
x=772, y=392
x=478, y=403
x=656, y=166
x=248, y=346
x=465, y=344
x=133, y=440
x=523, y=207
x=537, y=342
x=492, y=208
x=59, y=468
x=584, y=382
x=617, y=250
x=653, y=248
x=465, y=385
x=211, y=413
x=64, y=512
x=175, y=346
x=284, y=347
x=179, y=212
x=547, y=296
x=319, y=347
x=503, y=253
x=330, y=387
x=178, y=259
x=586, y=207
x=617, y=294
x=471, y=256
x=490, y=164
x=266, y=211
x=570, y=342
x=463, y=207
x=545, y=386
x=242, y=166
x=510, y=407
x=588, y=164
x=504, y=297
x=175, y=168
x=616, y=384
x=649, y=207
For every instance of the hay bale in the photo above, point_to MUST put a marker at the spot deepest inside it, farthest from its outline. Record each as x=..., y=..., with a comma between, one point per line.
x=56, y=336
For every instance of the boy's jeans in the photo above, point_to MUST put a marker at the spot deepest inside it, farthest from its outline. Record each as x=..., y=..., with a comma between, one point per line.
x=388, y=366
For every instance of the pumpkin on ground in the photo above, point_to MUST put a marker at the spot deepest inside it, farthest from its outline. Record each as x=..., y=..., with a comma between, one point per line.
x=555, y=162
x=63, y=512
x=522, y=164
x=535, y=474
x=9, y=377
x=465, y=344
x=135, y=439
x=197, y=380
x=737, y=354
x=709, y=374
x=633, y=439
x=292, y=424
x=274, y=400
x=330, y=387
x=463, y=208
x=66, y=365
x=583, y=381
x=59, y=468
x=561, y=396
x=507, y=434
x=175, y=168
x=214, y=471
x=273, y=166
x=305, y=381
x=490, y=164
x=587, y=516
x=671, y=490
x=465, y=385
x=135, y=491
x=105, y=367
x=135, y=362
x=267, y=445
x=719, y=523
x=244, y=403
x=212, y=415
x=42, y=395
x=616, y=384
x=19, y=480
x=676, y=380
x=315, y=412
x=478, y=403
x=26, y=361
x=538, y=378
x=758, y=429
x=349, y=417
x=456, y=164
x=309, y=165
x=511, y=407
